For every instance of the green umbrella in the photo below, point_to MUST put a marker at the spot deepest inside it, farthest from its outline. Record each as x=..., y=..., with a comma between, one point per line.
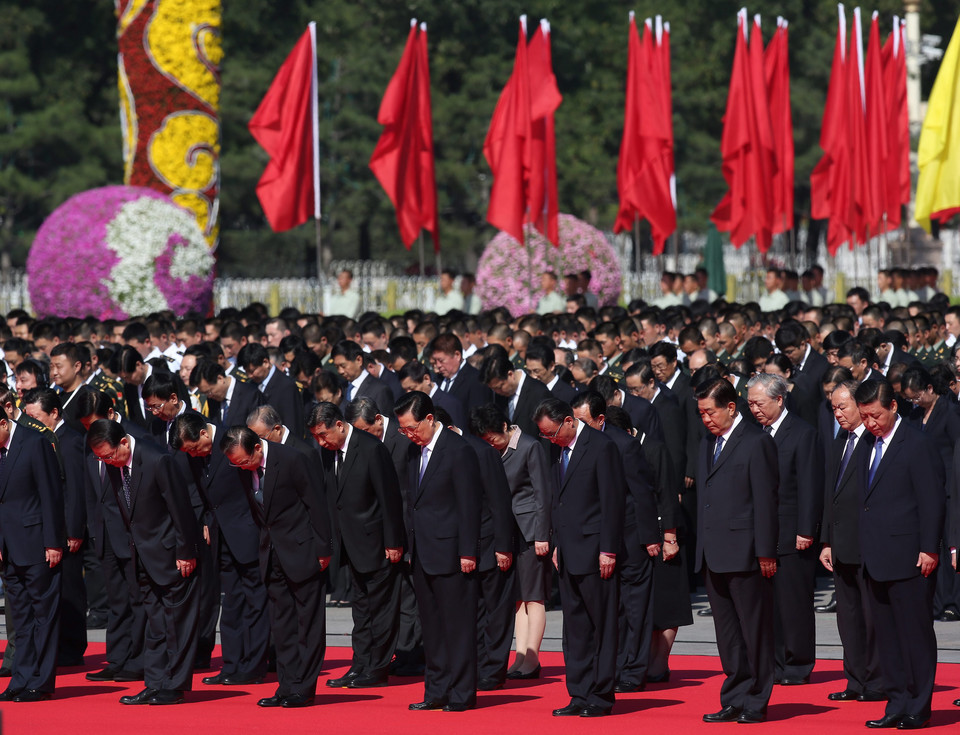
x=713, y=261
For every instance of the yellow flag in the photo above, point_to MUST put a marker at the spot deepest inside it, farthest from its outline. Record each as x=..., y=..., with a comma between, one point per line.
x=938, y=155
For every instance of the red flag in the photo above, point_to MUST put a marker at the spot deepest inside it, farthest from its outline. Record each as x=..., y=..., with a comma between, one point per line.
x=897, y=175
x=283, y=126
x=858, y=213
x=877, y=128
x=505, y=147
x=542, y=201
x=403, y=158
x=777, y=73
x=631, y=143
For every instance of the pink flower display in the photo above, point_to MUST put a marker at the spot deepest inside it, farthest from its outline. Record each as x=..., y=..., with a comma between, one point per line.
x=509, y=272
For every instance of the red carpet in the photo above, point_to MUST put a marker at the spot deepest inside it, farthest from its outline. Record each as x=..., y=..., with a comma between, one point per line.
x=82, y=707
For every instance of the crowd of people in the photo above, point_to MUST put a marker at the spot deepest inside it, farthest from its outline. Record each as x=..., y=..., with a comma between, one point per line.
x=450, y=476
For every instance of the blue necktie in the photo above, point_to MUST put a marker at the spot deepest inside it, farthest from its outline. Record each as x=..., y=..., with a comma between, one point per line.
x=564, y=461
x=876, y=461
x=349, y=391
x=716, y=452
x=845, y=460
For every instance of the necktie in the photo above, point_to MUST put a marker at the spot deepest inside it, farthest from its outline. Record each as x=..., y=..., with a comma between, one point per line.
x=768, y=429
x=223, y=411
x=258, y=490
x=103, y=471
x=206, y=466
x=564, y=462
x=424, y=458
x=845, y=460
x=716, y=452
x=512, y=406
x=878, y=451
x=836, y=428
x=349, y=391
x=339, y=461
x=125, y=475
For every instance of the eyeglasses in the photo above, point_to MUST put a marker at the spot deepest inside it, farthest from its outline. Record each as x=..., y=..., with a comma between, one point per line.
x=155, y=409
x=111, y=456
x=553, y=435
x=410, y=430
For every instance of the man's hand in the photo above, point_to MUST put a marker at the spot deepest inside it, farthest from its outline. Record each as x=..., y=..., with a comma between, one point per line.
x=504, y=560
x=826, y=557
x=653, y=550
x=689, y=482
x=768, y=566
x=54, y=556
x=74, y=544
x=927, y=563
x=953, y=555
x=607, y=564
x=394, y=555
x=324, y=562
x=206, y=534
x=556, y=564
x=804, y=542
x=186, y=566
x=468, y=564
x=541, y=548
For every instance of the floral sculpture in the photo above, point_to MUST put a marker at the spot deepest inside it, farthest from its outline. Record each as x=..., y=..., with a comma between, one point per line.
x=119, y=251
x=509, y=271
x=169, y=80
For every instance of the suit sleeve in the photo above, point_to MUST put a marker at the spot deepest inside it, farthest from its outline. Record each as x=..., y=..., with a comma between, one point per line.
x=50, y=488
x=539, y=469
x=387, y=487
x=665, y=488
x=468, y=494
x=310, y=488
x=764, y=476
x=810, y=498
x=638, y=475
x=613, y=492
x=75, y=480
x=504, y=524
x=927, y=479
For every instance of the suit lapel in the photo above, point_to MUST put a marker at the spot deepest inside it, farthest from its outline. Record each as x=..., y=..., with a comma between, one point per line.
x=13, y=451
x=431, y=462
x=270, y=478
x=885, y=459
x=348, y=461
x=215, y=459
x=136, y=477
x=728, y=447
x=575, y=456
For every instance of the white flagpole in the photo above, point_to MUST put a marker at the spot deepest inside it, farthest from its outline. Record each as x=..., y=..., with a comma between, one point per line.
x=315, y=120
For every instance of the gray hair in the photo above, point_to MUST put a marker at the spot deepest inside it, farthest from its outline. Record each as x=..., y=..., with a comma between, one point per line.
x=364, y=408
x=775, y=386
x=266, y=415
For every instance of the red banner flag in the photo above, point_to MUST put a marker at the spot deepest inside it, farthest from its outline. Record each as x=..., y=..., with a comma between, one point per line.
x=897, y=175
x=542, y=200
x=858, y=213
x=877, y=130
x=403, y=159
x=777, y=73
x=284, y=126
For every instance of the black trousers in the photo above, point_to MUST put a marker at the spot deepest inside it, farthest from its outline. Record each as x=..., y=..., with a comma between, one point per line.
x=33, y=597
x=742, y=605
x=126, y=617
x=795, y=626
x=903, y=619
x=636, y=617
x=861, y=658
x=93, y=579
x=590, y=636
x=409, y=650
x=244, y=620
x=72, y=642
x=496, y=618
x=376, y=616
x=298, y=621
x=447, y=604
x=947, y=593
x=209, y=604
x=172, y=619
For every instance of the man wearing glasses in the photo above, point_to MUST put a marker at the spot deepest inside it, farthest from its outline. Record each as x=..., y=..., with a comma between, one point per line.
x=443, y=527
x=455, y=375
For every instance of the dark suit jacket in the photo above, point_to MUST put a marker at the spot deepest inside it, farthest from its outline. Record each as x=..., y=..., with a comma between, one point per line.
x=161, y=522
x=453, y=407
x=467, y=388
x=397, y=446
x=666, y=485
x=814, y=367
x=531, y=393
x=294, y=521
x=31, y=500
x=246, y=397
x=942, y=429
x=643, y=415
x=640, y=525
x=497, y=524
x=135, y=412
x=800, y=496
x=376, y=389
x=392, y=381
x=673, y=419
x=443, y=509
x=841, y=498
x=283, y=394
x=737, y=501
x=103, y=514
x=530, y=484
x=71, y=452
x=902, y=510
x=825, y=423
x=367, y=510
x=588, y=503
x=564, y=392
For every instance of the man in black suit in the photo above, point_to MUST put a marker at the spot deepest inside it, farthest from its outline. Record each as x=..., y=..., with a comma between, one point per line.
x=641, y=542
x=541, y=365
x=901, y=519
x=587, y=518
x=348, y=358
x=799, y=510
x=793, y=340
x=443, y=528
x=415, y=376
x=32, y=536
x=517, y=394
x=230, y=531
x=367, y=512
x=134, y=371
x=642, y=414
x=362, y=414
x=455, y=375
x=840, y=554
x=641, y=383
x=737, y=479
x=230, y=401
x=164, y=541
x=277, y=389
x=287, y=502
x=66, y=372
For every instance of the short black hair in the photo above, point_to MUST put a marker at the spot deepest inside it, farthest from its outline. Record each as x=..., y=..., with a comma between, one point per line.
x=415, y=402
x=324, y=414
x=105, y=431
x=159, y=385
x=252, y=355
x=875, y=389
x=720, y=390
x=186, y=428
x=487, y=419
x=239, y=436
x=553, y=409
x=595, y=403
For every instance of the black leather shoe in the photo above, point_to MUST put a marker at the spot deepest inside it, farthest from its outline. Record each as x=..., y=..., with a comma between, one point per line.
x=948, y=616
x=275, y=701
x=794, y=681
x=368, y=681
x=32, y=695
x=344, y=681
x=107, y=674
x=9, y=694
x=727, y=714
x=298, y=700
x=749, y=717
x=142, y=698
x=956, y=702
x=847, y=695
x=488, y=684
x=167, y=696
x=455, y=707
x=571, y=710
x=238, y=680
x=214, y=680
x=705, y=612
x=830, y=607
x=871, y=696
x=426, y=704
x=535, y=674
x=659, y=678
x=6, y=673
x=95, y=622
x=909, y=722
x=594, y=710
x=627, y=687
x=887, y=721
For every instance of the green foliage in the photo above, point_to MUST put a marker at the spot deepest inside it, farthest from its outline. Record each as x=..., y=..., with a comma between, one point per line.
x=60, y=131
